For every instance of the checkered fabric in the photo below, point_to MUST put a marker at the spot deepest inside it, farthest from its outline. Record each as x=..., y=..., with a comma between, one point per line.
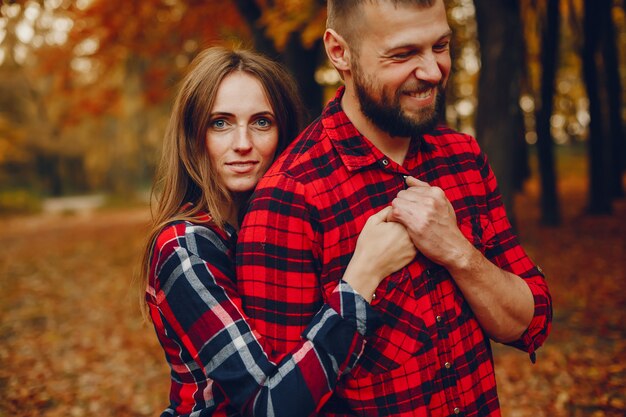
x=430, y=357
x=219, y=365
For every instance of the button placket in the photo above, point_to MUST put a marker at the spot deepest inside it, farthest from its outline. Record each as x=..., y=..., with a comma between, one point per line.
x=438, y=317
x=435, y=278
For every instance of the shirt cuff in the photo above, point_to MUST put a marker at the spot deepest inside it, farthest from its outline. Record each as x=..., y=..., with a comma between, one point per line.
x=354, y=309
x=340, y=327
x=540, y=325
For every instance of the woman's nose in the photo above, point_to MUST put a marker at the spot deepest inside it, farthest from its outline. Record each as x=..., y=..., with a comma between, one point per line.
x=242, y=141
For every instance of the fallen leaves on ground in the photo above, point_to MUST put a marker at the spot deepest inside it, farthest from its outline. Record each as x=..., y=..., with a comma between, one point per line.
x=72, y=341
x=581, y=370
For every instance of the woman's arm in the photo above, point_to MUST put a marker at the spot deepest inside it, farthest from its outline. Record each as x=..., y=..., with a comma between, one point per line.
x=196, y=296
x=382, y=248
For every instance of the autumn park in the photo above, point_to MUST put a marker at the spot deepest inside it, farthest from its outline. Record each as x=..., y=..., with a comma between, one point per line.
x=86, y=87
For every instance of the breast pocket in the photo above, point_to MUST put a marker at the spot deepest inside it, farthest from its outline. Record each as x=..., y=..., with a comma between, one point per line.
x=398, y=340
x=369, y=395
x=479, y=231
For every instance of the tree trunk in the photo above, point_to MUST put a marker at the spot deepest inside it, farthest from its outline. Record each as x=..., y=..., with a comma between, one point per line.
x=251, y=13
x=614, y=92
x=48, y=169
x=301, y=62
x=599, y=194
x=499, y=120
x=550, y=214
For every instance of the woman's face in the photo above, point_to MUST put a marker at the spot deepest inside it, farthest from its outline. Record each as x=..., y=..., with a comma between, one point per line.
x=242, y=136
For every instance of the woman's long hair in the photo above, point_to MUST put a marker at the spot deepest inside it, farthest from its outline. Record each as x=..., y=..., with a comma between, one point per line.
x=185, y=174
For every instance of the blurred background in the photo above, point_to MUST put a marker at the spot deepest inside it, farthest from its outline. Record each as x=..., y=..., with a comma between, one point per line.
x=86, y=87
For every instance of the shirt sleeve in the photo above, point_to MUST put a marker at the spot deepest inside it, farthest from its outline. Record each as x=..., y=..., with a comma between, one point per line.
x=503, y=249
x=196, y=296
x=279, y=260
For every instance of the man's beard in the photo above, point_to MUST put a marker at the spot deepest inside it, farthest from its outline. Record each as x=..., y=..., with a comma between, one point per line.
x=387, y=114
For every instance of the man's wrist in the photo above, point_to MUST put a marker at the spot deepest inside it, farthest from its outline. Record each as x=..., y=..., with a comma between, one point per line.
x=466, y=260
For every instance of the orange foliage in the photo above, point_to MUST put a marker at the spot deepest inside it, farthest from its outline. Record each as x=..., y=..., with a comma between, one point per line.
x=151, y=41
x=156, y=76
x=306, y=17
x=134, y=39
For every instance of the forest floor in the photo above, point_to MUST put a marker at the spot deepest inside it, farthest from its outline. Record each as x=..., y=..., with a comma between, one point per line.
x=72, y=342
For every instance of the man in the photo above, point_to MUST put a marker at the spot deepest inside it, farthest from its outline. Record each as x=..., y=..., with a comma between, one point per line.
x=471, y=280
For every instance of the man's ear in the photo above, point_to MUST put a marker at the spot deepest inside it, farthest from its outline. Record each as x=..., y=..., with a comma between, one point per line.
x=337, y=50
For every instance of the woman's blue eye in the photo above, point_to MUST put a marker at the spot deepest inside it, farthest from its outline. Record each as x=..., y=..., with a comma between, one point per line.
x=219, y=124
x=263, y=122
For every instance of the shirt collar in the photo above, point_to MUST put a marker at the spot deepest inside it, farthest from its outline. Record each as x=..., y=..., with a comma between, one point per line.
x=204, y=218
x=354, y=149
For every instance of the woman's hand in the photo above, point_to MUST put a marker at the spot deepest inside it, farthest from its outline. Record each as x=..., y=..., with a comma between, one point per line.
x=382, y=248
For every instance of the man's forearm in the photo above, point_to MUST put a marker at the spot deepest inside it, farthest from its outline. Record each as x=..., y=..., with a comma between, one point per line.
x=501, y=301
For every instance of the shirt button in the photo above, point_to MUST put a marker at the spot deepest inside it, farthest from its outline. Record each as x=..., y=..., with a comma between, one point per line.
x=385, y=161
x=448, y=365
x=438, y=318
x=456, y=410
x=373, y=296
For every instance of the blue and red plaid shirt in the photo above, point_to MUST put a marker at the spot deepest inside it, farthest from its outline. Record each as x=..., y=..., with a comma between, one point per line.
x=219, y=365
x=430, y=357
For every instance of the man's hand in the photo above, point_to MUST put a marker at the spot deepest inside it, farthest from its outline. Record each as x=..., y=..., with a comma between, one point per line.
x=429, y=217
x=501, y=301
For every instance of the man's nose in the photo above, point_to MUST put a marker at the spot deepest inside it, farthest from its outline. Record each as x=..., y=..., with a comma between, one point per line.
x=428, y=69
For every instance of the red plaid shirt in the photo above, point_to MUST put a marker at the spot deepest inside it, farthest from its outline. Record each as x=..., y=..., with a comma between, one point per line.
x=430, y=357
x=218, y=363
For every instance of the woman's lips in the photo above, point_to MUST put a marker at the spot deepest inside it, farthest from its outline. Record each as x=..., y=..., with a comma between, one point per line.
x=242, y=167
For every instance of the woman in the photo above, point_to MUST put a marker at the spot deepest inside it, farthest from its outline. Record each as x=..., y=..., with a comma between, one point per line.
x=234, y=112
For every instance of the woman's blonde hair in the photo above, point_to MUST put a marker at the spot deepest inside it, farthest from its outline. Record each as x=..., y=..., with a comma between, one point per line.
x=185, y=174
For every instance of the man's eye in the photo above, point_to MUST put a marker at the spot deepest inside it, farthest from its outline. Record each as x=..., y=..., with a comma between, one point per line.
x=442, y=46
x=403, y=55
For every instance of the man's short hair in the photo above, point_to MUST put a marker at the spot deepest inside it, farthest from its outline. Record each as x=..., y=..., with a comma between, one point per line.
x=342, y=15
